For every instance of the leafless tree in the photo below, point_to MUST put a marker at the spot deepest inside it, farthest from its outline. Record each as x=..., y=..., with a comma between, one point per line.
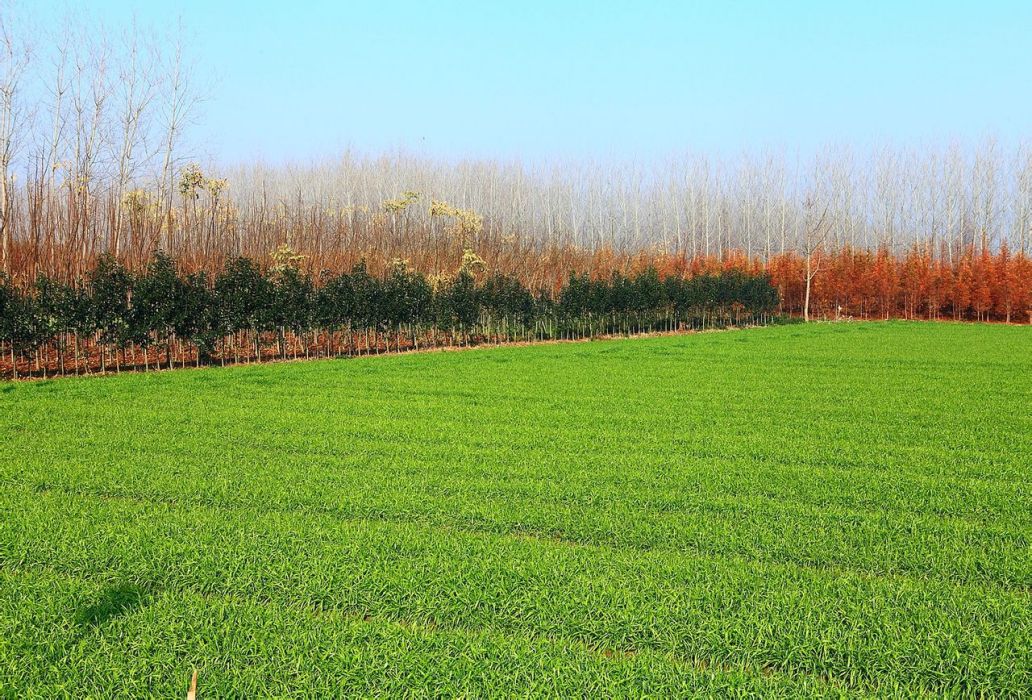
x=135, y=91
x=817, y=226
x=1022, y=229
x=180, y=100
x=15, y=56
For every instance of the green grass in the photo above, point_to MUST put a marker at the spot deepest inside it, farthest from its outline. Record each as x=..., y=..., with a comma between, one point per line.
x=820, y=510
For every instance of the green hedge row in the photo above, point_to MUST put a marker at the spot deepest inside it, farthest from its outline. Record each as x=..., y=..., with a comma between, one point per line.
x=114, y=308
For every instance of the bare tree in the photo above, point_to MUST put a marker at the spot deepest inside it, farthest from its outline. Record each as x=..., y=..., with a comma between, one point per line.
x=136, y=90
x=15, y=54
x=816, y=227
x=58, y=90
x=180, y=102
x=986, y=193
x=1022, y=224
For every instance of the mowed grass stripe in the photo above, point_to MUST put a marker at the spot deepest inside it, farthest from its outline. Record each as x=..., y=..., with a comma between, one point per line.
x=357, y=655
x=521, y=531
x=653, y=484
x=859, y=630
x=844, y=505
x=969, y=554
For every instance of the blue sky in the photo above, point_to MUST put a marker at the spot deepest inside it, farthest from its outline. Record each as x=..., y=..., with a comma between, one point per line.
x=557, y=80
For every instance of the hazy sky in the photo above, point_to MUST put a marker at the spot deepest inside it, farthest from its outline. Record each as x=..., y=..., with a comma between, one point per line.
x=303, y=79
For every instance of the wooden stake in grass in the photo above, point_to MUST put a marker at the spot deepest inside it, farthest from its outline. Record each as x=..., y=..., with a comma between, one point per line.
x=192, y=693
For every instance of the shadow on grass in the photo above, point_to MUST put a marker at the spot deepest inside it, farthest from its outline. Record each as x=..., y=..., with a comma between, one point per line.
x=114, y=600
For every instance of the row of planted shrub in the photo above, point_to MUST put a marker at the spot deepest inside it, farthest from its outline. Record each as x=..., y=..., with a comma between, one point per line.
x=159, y=317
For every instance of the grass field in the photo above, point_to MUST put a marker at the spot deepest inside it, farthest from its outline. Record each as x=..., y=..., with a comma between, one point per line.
x=822, y=510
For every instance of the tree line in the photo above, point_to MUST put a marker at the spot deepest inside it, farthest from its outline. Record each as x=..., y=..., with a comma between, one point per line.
x=95, y=155
x=977, y=285
x=529, y=225
x=95, y=164
x=115, y=319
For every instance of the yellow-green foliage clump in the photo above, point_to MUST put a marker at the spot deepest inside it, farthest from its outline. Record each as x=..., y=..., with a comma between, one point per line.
x=466, y=223
x=393, y=206
x=135, y=201
x=216, y=186
x=285, y=258
x=471, y=262
x=191, y=180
